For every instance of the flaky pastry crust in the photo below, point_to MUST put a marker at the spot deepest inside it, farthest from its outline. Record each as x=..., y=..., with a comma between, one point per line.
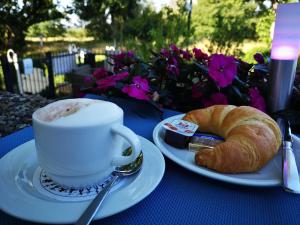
x=252, y=138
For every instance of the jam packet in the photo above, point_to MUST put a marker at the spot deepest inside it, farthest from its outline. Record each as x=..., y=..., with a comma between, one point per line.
x=179, y=132
x=204, y=140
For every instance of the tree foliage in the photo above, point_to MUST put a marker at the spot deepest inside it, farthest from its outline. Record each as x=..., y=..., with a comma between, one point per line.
x=229, y=23
x=134, y=24
x=225, y=23
x=17, y=16
x=49, y=28
x=266, y=18
x=157, y=29
x=106, y=18
x=137, y=25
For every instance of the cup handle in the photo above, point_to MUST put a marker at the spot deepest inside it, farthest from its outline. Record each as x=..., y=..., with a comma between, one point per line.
x=132, y=139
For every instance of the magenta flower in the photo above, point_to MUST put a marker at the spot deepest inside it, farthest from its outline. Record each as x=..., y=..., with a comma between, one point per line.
x=121, y=56
x=256, y=100
x=110, y=81
x=173, y=61
x=199, y=55
x=105, y=83
x=165, y=53
x=222, y=69
x=100, y=73
x=173, y=66
x=120, y=76
x=130, y=54
x=259, y=58
x=215, y=99
x=138, y=89
x=87, y=79
x=123, y=59
x=186, y=54
x=173, y=69
x=174, y=48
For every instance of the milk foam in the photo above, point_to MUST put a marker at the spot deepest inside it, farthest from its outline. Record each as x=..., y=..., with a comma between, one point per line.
x=76, y=112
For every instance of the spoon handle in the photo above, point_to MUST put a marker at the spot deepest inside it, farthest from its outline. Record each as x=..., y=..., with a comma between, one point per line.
x=92, y=209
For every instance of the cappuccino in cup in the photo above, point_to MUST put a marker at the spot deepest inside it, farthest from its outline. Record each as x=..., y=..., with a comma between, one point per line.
x=79, y=142
x=64, y=109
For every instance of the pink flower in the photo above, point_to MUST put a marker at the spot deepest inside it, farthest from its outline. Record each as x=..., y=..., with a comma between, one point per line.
x=110, y=81
x=186, y=54
x=215, y=99
x=256, y=100
x=222, y=69
x=138, y=89
x=100, y=73
x=199, y=55
x=259, y=58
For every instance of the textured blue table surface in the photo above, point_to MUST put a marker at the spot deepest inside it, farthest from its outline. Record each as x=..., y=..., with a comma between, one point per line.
x=183, y=197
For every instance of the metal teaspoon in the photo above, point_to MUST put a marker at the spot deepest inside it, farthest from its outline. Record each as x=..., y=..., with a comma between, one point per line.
x=119, y=172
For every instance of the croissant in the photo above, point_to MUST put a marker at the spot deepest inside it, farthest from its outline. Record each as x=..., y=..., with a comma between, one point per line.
x=252, y=138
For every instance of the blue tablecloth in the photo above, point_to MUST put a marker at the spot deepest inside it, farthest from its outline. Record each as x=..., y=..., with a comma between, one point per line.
x=184, y=197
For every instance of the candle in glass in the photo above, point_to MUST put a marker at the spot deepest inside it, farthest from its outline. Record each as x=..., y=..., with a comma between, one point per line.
x=284, y=56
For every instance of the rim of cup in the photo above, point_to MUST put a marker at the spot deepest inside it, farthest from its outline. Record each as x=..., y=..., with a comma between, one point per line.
x=37, y=120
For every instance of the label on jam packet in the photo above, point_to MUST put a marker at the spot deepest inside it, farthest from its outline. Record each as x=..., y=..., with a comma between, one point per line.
x=181, y=127
x=202, y=140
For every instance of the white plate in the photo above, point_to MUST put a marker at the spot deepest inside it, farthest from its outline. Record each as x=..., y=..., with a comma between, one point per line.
x=270, y=175
x=19, y=197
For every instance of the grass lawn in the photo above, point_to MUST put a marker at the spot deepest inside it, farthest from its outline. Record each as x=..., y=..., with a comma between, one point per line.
x=59, y=44
x=56, y=45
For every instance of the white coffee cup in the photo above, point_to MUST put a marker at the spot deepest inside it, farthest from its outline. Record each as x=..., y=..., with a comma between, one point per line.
x=82, y=148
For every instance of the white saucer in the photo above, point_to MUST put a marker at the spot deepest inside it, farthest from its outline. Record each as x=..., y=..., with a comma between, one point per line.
x=270, y=175
x=20, y=198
